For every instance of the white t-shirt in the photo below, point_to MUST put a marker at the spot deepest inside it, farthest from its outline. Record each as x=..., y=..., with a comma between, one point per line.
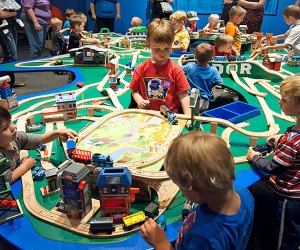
x=293, y=38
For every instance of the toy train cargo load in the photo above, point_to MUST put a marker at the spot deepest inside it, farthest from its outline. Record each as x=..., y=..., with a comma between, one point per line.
x=134, y=219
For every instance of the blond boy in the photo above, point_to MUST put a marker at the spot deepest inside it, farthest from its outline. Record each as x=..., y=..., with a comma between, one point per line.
x=136, y=21
x=182, y=38
x=223, y=46
x=159, y=81
x=202, y=166
x=236, y=15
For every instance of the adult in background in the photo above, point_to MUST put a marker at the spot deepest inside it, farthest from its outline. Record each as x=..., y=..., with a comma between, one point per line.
x=161, y=9
x=104, y=12
x=8, y=37
x=297, y=3
x=36, y=16
x=227, y=5
x=255, y=14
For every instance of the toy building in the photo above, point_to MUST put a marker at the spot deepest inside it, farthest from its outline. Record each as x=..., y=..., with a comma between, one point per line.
x=9, y=206
x=8, y=100
x=272, y=61
x=52, y=181
x=114, y=191
x=90, y=54
x=75, y=190
x=64, y=110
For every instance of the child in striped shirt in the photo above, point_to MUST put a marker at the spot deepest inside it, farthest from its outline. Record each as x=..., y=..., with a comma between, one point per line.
x=277, y=200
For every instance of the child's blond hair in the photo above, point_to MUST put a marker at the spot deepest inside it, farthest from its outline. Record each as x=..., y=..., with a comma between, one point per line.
x=82, y=16
x=223, y=39
x=69, y=12
x=55, y=22
x=160, y=31
x=237, y=11
x=136, y=21
x=292, y=11
x=213, y=18
x=75, y=20
x=204, y=53
x=179, y=15
x=290, y=88
x=202, y=161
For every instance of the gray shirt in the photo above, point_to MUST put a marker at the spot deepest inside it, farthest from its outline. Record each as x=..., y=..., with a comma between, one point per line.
x=293, y=38
x=23, y=141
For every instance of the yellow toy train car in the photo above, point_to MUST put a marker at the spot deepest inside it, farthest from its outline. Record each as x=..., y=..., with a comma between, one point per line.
x=134, y=219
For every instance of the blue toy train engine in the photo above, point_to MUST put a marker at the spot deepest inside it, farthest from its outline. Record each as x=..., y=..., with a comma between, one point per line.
x=103, y=161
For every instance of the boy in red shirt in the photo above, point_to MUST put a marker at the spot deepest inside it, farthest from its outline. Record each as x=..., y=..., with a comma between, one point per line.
x=224, y=46
x=159, y=81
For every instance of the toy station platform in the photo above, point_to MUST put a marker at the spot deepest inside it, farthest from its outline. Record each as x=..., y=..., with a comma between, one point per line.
x=134, y=138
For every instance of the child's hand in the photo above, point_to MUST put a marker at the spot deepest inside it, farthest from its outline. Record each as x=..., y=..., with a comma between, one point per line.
x=143, y=104
x=28, y=163
x=188, y=124
x=274, y=139
x=154, y=235
x=265, y=48
x=251, y=153
x=65, y=134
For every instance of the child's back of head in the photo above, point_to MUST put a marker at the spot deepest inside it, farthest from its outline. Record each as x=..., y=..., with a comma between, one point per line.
x=292, y=11
x=204, y=53
x=223, y=40
x=179, y=16
x=69, y=12
x=75, y=20
x=136, y=21
x=200, y=161
x=290, y=88
x=213, y=18
x=160, y=31
x=55, y=23
x=82, y=16
x=237, y=11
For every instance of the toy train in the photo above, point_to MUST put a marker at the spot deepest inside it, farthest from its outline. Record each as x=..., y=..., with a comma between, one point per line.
x=151, y=210
x=100, y=160
x=34, y=127
x=294, y=61
x=167, y=113
x=134, y=219
x=103, y=224
x=80, y=155
x=229, y=58
x=7, y=203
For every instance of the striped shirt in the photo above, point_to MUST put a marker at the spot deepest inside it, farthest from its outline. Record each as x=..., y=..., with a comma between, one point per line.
x=287, y=154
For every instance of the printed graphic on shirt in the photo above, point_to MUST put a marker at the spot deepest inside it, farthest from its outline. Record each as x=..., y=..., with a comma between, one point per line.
x=186, y=226
x=157, y=88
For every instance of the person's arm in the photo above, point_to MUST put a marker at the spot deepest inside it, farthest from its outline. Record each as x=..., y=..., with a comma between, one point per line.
x=118, y=8
x=155, y=236
x=90, y=41
x=32, y=17
x=63, y=133
x=251, y=5
x=276, y=46
x=267, y=166
x=170, y=1
x=7, y=14
x=93, y=14
x=63, y=30
x=234, y=50
x=297, y=3
x=27, y=163
x=140, y=101
x=184, y=99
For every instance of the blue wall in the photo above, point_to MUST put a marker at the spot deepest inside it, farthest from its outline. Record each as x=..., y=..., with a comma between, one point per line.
x=130, y=8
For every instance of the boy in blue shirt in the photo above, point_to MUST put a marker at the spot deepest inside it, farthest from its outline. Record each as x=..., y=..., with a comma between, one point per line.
x=202, y=76
x=202, y=166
